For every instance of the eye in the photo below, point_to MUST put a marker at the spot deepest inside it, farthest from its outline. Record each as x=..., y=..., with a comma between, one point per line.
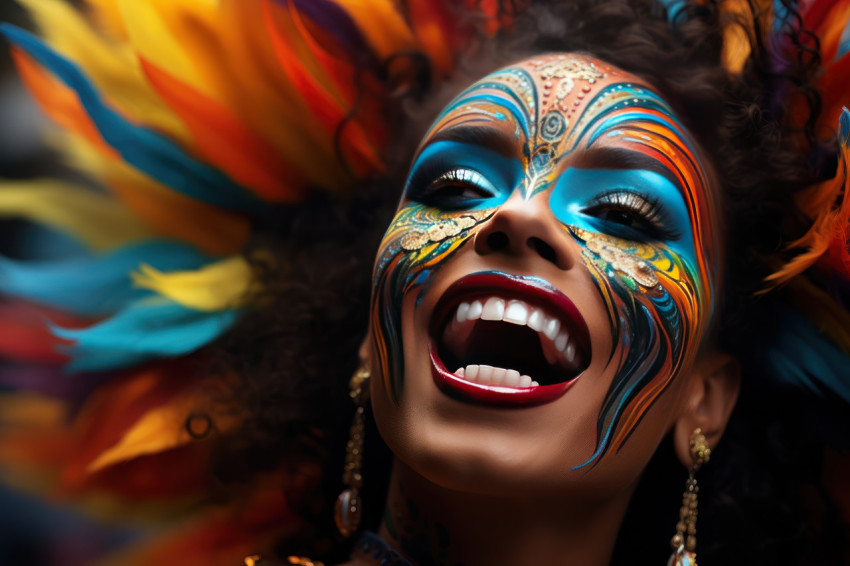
x=459, y=187
x=628, y=214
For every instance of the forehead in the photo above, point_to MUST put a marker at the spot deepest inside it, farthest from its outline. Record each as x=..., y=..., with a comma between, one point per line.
x=554, y=104
x=548, y=108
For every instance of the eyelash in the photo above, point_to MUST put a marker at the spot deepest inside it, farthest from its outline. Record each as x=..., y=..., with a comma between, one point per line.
x=644, y=208
x=436, y=184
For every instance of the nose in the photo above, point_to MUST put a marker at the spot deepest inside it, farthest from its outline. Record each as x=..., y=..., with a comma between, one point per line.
x=523, y=228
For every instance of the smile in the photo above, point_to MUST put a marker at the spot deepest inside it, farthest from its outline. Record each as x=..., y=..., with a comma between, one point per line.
x=507, y=339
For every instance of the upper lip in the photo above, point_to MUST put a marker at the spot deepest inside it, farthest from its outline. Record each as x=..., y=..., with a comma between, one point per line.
x=532, y=290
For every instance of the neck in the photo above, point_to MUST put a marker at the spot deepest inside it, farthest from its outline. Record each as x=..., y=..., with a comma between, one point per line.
x=429, y=524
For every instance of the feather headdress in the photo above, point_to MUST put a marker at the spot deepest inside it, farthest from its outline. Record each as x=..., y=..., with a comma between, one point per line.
x=196, y=117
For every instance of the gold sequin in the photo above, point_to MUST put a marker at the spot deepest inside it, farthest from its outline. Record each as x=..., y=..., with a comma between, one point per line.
x=412, y=241
x=629, y=264
x=572, y=68
x=417, y=238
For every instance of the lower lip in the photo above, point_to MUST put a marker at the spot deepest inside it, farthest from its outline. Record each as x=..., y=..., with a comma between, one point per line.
x=456, y=387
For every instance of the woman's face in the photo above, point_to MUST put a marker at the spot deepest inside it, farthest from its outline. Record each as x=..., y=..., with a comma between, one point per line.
x=541, y=294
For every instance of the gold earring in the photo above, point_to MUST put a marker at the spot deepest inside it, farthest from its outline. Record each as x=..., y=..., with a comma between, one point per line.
x=684, y=542
x=348, y=511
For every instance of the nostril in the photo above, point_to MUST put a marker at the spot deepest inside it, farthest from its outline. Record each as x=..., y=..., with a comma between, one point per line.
x=545, y=251
x=497, y=241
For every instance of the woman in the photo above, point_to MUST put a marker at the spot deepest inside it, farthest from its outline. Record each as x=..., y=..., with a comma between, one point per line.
x=556, y=293
x=586, y=213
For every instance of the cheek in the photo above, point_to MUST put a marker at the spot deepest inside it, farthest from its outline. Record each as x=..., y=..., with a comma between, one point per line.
x=418, y=242
x=657, y=313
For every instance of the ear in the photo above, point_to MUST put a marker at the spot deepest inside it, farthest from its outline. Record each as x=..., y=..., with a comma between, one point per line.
x=709, y=400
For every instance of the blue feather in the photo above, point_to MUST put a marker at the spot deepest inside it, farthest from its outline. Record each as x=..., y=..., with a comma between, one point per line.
x=675, y=9
x=94, y=285
x=844, y=42
x=804, y=358
x=781, y=14
x=146, y=330
x=40, y=242
x=844, y=125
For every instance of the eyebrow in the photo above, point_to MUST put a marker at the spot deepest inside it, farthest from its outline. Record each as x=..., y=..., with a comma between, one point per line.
x=491, y=138
x=619, y=158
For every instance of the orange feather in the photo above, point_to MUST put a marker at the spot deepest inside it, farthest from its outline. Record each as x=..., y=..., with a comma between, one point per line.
x=324, y=106
x=212, y=229
x=59, y=102
x=221, y=138
x=829, y=228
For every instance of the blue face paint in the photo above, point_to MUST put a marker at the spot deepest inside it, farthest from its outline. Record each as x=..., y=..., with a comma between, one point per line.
x=431, y=178
x=577, y=192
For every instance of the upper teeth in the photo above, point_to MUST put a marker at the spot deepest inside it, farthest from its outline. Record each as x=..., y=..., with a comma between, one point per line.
x=519, y=312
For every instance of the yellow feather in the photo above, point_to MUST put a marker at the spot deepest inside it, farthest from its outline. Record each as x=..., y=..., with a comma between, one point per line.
x=167, y=212
x=158, y=430
x=736, y=49
x=158, y=32
x=215, y=287
x=739, y=27
x=383, y=23
x=110, y=65
x=93, y=218
x=106, y=16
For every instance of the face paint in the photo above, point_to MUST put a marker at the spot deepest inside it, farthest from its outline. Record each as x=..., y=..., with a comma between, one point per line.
x=647, y=243
x=620, y=174
x=419, y=239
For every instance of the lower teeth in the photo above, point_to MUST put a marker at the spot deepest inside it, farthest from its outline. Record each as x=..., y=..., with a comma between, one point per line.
x=489, y=375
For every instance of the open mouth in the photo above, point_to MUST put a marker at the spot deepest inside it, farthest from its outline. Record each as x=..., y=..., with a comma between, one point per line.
x=507, y=339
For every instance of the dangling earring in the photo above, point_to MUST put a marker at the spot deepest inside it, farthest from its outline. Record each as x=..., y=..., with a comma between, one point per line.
x=684, y=542
x=347, y=512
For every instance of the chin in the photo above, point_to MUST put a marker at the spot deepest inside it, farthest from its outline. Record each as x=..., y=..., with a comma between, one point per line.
x=484, y=448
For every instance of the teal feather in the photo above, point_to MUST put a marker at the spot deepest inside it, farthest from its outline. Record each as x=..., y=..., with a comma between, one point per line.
x=801, y=356
x=94, y=285
x=39, y=242
x=146, y=330
x=676, y=11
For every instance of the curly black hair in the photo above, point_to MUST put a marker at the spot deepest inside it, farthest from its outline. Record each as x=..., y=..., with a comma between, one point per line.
x=763, y=502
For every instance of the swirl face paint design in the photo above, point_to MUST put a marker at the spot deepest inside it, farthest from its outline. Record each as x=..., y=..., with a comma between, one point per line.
x=620, y=174
x=419, y=239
